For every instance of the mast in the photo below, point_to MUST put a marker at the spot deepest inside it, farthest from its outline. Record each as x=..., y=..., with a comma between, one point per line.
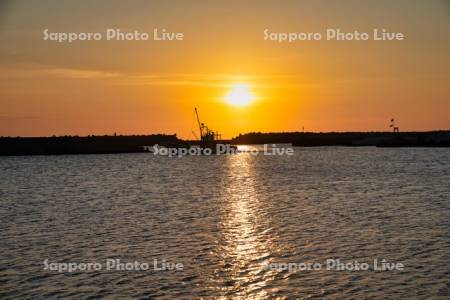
x=199, y=124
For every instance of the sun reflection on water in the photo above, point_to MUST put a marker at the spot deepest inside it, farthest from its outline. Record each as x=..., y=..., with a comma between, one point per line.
x=246, y=244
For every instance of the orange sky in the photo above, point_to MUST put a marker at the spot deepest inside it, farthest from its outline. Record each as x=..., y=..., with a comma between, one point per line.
x=139, y=87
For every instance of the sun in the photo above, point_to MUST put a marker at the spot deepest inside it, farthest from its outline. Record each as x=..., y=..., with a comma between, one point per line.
x=240, y=95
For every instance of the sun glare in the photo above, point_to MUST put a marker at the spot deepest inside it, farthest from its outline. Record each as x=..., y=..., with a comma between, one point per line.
x=239, y=95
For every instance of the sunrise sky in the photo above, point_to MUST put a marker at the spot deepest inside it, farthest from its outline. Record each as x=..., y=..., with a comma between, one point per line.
x=142, y=87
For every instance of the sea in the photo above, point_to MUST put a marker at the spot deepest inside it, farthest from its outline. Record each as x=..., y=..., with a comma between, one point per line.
x=322, y=223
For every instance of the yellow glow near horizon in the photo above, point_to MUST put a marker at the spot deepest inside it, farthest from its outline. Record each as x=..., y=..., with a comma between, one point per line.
x=240, y=95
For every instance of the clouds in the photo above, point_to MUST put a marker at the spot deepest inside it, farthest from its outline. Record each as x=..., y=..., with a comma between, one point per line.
x=45, y=72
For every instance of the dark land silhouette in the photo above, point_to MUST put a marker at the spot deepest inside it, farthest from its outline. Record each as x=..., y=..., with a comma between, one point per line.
x=81, y=145
x=380, y=139
x=136, y=143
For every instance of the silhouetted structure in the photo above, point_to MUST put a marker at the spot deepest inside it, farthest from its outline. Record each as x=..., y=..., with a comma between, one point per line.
x=392, y=125
x=208, y=137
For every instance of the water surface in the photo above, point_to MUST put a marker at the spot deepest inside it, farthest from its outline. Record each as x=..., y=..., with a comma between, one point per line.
x=226, y=218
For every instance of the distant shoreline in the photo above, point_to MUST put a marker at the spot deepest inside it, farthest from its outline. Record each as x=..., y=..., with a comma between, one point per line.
x=135, y=143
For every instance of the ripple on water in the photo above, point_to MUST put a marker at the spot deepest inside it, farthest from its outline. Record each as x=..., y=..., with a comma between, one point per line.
x=226, y=218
